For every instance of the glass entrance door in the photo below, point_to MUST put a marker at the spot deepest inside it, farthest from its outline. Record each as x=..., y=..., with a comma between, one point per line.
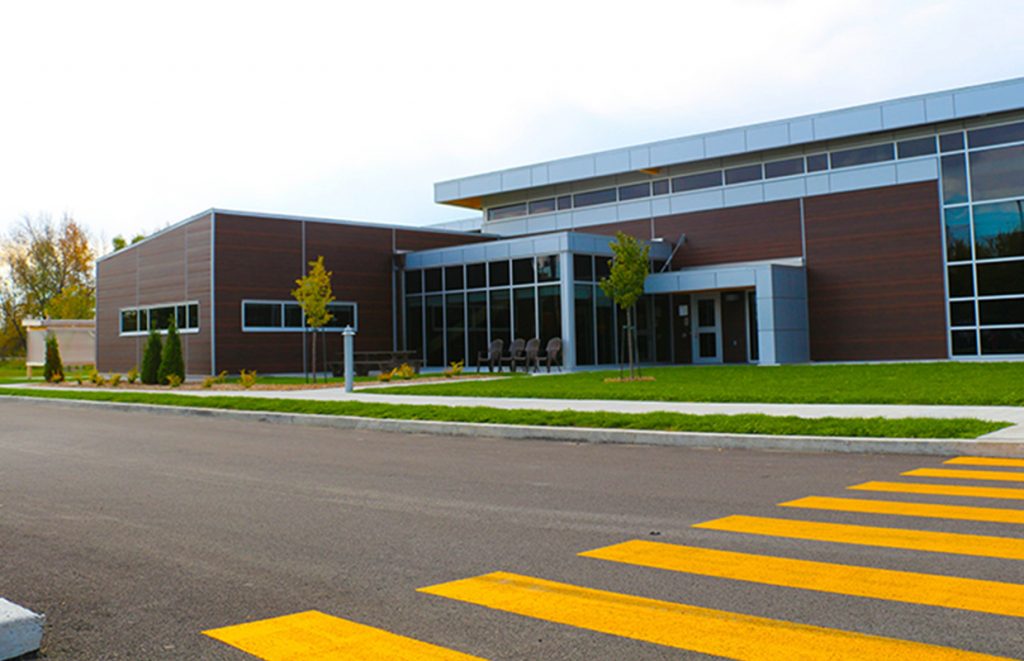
x=707, y=329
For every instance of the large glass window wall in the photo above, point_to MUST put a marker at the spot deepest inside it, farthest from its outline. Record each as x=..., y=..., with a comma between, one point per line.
x=983, y=196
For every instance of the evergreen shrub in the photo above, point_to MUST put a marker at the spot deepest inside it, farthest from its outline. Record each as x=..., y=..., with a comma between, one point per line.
x=151, y=359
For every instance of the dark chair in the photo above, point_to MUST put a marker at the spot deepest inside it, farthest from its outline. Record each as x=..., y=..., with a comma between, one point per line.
x=492, y=355
x=533, y=354
x=516, y=353
x=554, y=346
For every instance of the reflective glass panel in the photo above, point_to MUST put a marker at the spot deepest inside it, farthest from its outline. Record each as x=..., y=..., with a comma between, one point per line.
x=542, y=206
x=498, y=273
x=413, y=282
x=817, y=162
x=547, y=268
x=453, y=277
x=181, y=317
x=954, y=179
x=476, y=317
x=525, y=312
x=343, y=314
x=951, y=141
x=583, y=267
x=659, y=187
x=784, y=168
x=999, y=229
x=432, y=280
x=1001, y=311
x=916, y=147
x=256, y=315
x=845, y=158
x=501, y=316
x=565, y=202
x=965, y=343
x=602, y=267
x=414, y=325
x=522, y=271
x=997, y=173
x=593, y=197
x=961, y=313
x=435, y=330
x=995, y=135
x=999, y=278
x=605, y=321
x=143, y=320
x=958, y=234
x=476, y=276
x=193, y=315
x=129, y=321
x=292, y=315
x=507, y=211
x=549, y=304
x=455, y=323
x=1002, y=341
x=697, y=181
x=161, y=317
x=584, y=324
x=742, y=174
x=961, y=281
x=634, y=191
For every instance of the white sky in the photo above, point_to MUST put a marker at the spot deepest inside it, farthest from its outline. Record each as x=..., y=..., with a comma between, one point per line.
x=135, y=115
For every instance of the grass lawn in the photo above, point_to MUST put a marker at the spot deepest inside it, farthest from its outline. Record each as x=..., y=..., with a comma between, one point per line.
x=13, y=371
x=997, y=383
x=737, y=424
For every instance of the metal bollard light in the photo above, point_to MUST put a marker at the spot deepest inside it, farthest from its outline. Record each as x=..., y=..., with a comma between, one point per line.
x=347, y=334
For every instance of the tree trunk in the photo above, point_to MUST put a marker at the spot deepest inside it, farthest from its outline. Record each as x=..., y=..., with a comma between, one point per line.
x=629, y=333
x=314, y=355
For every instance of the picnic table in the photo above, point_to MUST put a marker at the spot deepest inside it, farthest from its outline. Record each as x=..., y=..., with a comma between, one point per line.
x=366, y=361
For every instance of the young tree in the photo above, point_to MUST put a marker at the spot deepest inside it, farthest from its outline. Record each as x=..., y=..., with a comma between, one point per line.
x=151, y=359
x=53, y=367
x=314, y=295
x=171, y=362
x=625, y=283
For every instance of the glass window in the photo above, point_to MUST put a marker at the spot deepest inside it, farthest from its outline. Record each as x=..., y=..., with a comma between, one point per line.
x=961, y=313
x=547, y=268
x=743, y=173
x=501, y=316
x=476, y=276
x=342, y=314
x=256, y=315
x=143, y=320
x=525, y=313
x=689, y=182
x=193, y=315
x=583, y=267
x=522, y=271
x=129, y=321
x=997, y=173
x=958, y=234
x=845, y=158
x=432, y=279
x=951, y=141
x=706, y=312
x=292, y=315
x=584, y=295
x=161, y=317
x=783, y=168
x=1001, y=311
x=662, y=328
x=476, y=317
x=453, y=277
x=542, y=206
x=507, y=211
x=965, y=343
x=435, y=330
x=414, y=325
x=564, y=202
x=593, y=197
x=605, y=321
x=659, y=187
x=1002, y=341
x=181, y=317
x=634, y=191
x=455, y=323
x=954, y=179
x=961, y=281
x=549, y=306
x=999, y=278
x=602, y=267
x=413, y=282
x=499, y=273
x=916, y=147
x=999, y=229
x=817, y=162
x=995, y=135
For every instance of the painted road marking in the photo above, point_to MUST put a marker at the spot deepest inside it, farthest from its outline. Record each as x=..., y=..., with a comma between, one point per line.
x=942, y=490
x=897, y=508
x=986, y=461
x=896, y=538
x=997, y=476
x=910, y=587
x=680, y=626
x=316, y=636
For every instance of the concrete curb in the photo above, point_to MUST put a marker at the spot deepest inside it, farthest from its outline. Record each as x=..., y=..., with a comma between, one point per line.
x=21, y=630
x=979, y=447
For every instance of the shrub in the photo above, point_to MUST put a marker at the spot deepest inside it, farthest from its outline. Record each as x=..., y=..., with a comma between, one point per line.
x=209, y=381
x=96, y=378
x=53, y=369
x=173, y=380
x=133, y=375
x=78, y=378
x=151, y=359
x=171, y=362
x=222, y=377
x=405, y=371
x=387, y=376
x=454, y=369
x=115, y=379
x=247, y=379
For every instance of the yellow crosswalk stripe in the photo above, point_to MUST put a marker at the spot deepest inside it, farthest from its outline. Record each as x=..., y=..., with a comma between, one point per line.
x=897, y=508
x=986, y=461
x=897, y=538
x=910, y=587
x=316, y=636
x=942, y=490
x=704, y=630
x=995, y=476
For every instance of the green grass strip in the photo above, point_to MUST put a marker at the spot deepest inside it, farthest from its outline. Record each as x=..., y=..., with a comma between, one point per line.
x=658, y=421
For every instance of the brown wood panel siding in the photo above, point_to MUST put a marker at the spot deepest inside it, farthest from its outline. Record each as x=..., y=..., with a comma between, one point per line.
x=874, y=274
x=737, y=234
x=169, y=268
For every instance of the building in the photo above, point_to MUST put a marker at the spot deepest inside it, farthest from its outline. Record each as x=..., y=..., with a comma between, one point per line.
x=890, y=231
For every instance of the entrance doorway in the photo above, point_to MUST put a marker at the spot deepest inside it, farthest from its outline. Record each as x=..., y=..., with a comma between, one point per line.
x=707, y=329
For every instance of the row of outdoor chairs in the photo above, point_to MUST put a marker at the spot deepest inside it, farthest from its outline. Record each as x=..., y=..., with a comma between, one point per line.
x=519, y=352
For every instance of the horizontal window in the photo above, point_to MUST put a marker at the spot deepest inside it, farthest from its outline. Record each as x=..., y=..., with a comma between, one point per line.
x=998, y=278
x=862, y=155
x=951, y=141
x=564, y=202
x=542, y=206
x=916, y=147
x=999, y=229
x=817, y=162
x=634, y=191
x=997, y=173
x=1002, y=341
x=593, y=197
x=476, y=276
x=697, y=181
x=996, y=135
x=660, y=187
x=507, y=211
x=784, y=168
x=743, y=174
x=185, y=316
x=270, y=316
x=1001, y=312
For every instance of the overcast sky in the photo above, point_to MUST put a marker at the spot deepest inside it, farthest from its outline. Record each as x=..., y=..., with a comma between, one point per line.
x=135, y=115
